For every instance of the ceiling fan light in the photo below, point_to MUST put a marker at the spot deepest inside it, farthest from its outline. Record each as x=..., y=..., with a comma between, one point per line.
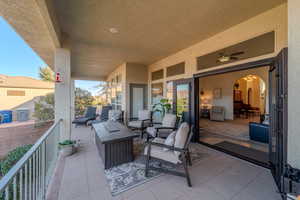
x=224, y=59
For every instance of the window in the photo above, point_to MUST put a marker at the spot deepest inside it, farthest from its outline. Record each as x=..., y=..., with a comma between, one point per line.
x=159, y=74
x=114, y=92
x=156, y=92
x=170, y=92
x=176, y=69
x=15, y=93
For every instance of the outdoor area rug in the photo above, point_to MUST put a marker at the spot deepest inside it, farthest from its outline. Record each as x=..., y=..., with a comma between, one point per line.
x=129, y=175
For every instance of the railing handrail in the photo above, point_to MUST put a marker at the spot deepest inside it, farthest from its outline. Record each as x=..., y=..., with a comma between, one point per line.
x=6, y=179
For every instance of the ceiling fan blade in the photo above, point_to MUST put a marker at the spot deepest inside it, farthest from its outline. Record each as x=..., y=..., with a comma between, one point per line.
x=233, y=58
x=237, y=53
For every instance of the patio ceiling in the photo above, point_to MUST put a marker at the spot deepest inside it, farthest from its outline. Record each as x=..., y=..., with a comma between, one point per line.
x=147, y=30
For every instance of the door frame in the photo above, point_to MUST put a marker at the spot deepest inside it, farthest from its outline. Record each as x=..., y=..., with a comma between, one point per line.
x=250, y=65
x=180, y=82
x=193, y=97
x=233, y=68
x=145, y=92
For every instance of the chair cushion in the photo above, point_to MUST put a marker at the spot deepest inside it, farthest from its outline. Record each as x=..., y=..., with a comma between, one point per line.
x=170, y=140
x=164, y=133
x=105, y=112
x=90, y=112
x=169, y=120
x=152, y=131
x=135, y=124
x=158, y=152
x=114, y=115
x=143, y=114
x=181, y=136
x=81, y=120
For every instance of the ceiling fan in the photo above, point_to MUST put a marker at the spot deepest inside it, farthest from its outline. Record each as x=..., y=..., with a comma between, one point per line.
x=228, y=57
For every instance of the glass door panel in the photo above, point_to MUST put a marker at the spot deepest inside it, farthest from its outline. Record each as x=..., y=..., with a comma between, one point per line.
x=183, y=98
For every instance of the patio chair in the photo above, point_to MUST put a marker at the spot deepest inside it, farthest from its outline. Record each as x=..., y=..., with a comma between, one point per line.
x=89, y=114
x=217, y=113
x=104, y=115
x=116, y=115
x=164, y=128
x=177, y=154
x=143, y=121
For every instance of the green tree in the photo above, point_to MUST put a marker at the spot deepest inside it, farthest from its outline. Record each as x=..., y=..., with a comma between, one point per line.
x=44, y=108
x=46, y=74
x=83, y=98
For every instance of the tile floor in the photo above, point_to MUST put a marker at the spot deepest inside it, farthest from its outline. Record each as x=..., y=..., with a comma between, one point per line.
x=217, y=177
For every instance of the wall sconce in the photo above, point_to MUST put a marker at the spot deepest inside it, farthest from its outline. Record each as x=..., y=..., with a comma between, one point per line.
x=201, y=92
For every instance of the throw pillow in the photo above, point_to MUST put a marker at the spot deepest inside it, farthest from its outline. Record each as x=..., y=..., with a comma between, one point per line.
x=170, y=140
x=181, y=136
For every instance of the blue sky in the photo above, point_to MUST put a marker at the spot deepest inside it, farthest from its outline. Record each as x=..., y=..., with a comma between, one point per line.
x=18, y=59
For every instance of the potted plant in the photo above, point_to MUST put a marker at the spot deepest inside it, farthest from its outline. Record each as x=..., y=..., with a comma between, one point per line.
x=67, y=147
x=162, y=107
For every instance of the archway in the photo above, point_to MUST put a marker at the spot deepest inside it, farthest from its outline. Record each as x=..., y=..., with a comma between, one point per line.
x=249, y=94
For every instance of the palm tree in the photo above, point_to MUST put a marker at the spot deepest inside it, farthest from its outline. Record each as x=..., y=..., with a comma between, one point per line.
x=102, y=88
x=46, y=74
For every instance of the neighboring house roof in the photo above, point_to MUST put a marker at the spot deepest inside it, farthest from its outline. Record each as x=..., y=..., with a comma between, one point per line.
x=24, y=82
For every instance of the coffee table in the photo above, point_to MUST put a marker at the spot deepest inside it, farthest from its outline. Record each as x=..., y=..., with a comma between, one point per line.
x=114, y=142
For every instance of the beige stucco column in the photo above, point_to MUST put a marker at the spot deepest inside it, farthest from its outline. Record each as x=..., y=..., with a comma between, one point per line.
x=72, y=99
x=294, y=83
x=63, y=91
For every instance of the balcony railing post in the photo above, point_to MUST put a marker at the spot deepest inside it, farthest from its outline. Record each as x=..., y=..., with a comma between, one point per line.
x=21, y=184
x=43, y=170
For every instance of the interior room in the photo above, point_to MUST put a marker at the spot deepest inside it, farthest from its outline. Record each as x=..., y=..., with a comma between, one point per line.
x=234, y=110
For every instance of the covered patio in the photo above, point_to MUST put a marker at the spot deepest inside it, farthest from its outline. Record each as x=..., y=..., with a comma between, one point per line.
x=217, y=176
x=149, y=47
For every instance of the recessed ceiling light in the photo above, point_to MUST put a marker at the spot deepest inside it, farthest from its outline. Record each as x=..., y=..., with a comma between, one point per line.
x=113, y=30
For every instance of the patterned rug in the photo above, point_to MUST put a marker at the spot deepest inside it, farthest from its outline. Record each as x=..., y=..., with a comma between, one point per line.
x=129, y=175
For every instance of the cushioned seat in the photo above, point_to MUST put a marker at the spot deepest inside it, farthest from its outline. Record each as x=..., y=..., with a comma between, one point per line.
x=159, y=152
x=135, y=124
x=81, y=120
x=89, y=115
x=174, y=149
x=164, y=128
x=217, y=113
x=259, y=132
x=142, y=122
x=115, y=115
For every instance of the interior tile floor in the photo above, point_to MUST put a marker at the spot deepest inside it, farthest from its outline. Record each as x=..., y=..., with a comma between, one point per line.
x=217, y=177
x=235, y=131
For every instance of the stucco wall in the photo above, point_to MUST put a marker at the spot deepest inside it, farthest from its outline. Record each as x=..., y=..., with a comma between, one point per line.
x=27, y=101
x=131, y=73
x=272, y=20
x=293, y=84
x=226, y=83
